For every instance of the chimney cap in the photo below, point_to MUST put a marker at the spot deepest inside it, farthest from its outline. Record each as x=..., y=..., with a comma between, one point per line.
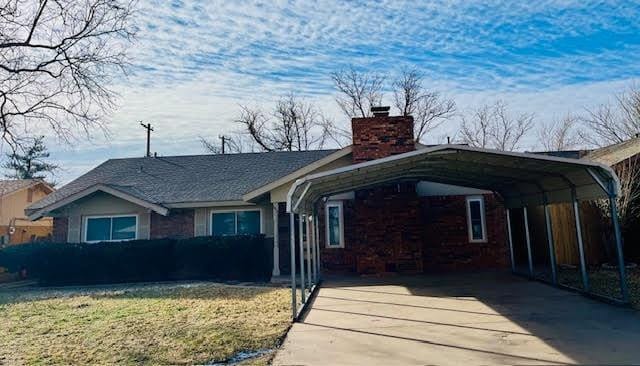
x=380, y=111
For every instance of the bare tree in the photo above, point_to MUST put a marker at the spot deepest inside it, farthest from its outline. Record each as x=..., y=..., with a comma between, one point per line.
x=56, y=60
x=294, y=124
x=333, y=132
x=492, y=126
x=357, y=91
x=627, y=202
x=428, y=108
x=560, y=134
x=233, y=144
x=615, y=122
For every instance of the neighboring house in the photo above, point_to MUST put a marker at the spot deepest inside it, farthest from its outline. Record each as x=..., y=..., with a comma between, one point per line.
x=15, y=196
x=410, y=225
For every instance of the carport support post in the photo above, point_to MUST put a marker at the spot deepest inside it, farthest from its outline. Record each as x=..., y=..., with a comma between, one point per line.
x=292, y=246
x=308, y=244
x=552, y=247
x=317, y=242
x=583, y=263
x=618, y=236
x=528, y=239
x=276, y=240
x=312, y=244
x=303, y=285
x=513, y=260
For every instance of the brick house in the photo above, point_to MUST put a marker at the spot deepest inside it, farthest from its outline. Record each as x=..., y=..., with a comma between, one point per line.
x=369, y=214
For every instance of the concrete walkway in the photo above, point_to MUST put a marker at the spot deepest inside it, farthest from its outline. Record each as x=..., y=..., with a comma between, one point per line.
x=470, y=319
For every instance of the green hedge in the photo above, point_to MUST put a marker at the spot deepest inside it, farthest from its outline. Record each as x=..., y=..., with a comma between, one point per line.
x=242, y=258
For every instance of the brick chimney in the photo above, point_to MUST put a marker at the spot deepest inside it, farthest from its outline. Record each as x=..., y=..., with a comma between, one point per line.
x=381, y=135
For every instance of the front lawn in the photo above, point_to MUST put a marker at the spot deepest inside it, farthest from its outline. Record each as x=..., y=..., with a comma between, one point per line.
x=140, y=324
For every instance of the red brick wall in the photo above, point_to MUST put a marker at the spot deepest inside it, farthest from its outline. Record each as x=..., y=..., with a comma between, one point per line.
x=179, y=224
x=60, y=227
x=387, y=230
x=382, y=232
x=446, y=244
x=379, y=137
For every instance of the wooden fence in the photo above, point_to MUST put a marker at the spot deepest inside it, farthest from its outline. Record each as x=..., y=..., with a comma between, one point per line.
x=564, y=235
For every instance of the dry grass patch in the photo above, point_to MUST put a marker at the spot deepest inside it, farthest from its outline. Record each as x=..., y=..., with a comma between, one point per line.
x=160, y=324
x=605, y=282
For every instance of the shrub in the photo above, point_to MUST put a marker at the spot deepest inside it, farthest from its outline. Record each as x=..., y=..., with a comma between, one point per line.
x=243, y=258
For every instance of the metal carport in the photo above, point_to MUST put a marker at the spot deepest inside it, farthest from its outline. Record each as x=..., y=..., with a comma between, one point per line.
x=521, y=179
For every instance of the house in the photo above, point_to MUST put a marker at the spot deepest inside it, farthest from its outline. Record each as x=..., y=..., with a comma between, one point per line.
x=382, y=204
x=15, y=196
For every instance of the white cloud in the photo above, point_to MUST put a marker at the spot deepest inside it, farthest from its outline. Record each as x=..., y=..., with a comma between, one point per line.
x=195, y=61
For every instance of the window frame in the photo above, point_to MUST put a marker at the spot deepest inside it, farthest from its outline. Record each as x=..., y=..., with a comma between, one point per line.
x=234, y=211
x=340, y=206
x=483, y=219
x=85, y=224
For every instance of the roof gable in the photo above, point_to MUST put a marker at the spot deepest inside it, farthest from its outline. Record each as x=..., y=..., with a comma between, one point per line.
x=14, y=185
x=614, y=154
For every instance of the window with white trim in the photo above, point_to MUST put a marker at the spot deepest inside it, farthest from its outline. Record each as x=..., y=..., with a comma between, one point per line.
x=334, y=224
x=110, y=228
x=476, y=220
x=243, y=222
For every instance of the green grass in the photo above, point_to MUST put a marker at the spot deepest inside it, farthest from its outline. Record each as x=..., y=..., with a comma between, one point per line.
x=154, y=324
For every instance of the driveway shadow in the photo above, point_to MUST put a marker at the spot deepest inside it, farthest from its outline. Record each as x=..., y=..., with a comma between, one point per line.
x=489, y=313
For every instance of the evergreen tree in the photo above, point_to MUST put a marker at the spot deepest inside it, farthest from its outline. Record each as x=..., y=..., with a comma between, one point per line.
x=31, y=164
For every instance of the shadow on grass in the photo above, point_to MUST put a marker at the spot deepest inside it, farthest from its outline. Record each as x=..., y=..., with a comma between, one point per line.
x=200, y=290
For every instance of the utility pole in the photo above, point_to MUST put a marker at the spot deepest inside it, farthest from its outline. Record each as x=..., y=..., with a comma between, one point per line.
x=224, y=141
x=149, y=129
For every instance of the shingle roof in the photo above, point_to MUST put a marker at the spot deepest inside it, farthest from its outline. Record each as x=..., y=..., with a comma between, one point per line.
x=8, y=186
x=194, y=178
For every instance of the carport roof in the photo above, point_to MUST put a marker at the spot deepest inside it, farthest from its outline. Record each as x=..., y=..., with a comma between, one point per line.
x=520, y=178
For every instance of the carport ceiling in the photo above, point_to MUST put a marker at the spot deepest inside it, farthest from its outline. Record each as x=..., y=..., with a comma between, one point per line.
x=520, y=178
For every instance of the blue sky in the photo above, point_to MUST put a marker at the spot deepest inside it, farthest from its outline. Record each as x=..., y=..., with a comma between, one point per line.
x=194, y=62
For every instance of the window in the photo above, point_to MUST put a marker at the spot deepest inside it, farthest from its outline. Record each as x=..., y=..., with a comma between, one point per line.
x=476, y=219
x=335, y=225
x=110, y=228
x=235, y=222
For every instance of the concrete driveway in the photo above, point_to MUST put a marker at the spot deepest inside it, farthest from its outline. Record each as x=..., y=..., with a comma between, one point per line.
x=461, y=319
